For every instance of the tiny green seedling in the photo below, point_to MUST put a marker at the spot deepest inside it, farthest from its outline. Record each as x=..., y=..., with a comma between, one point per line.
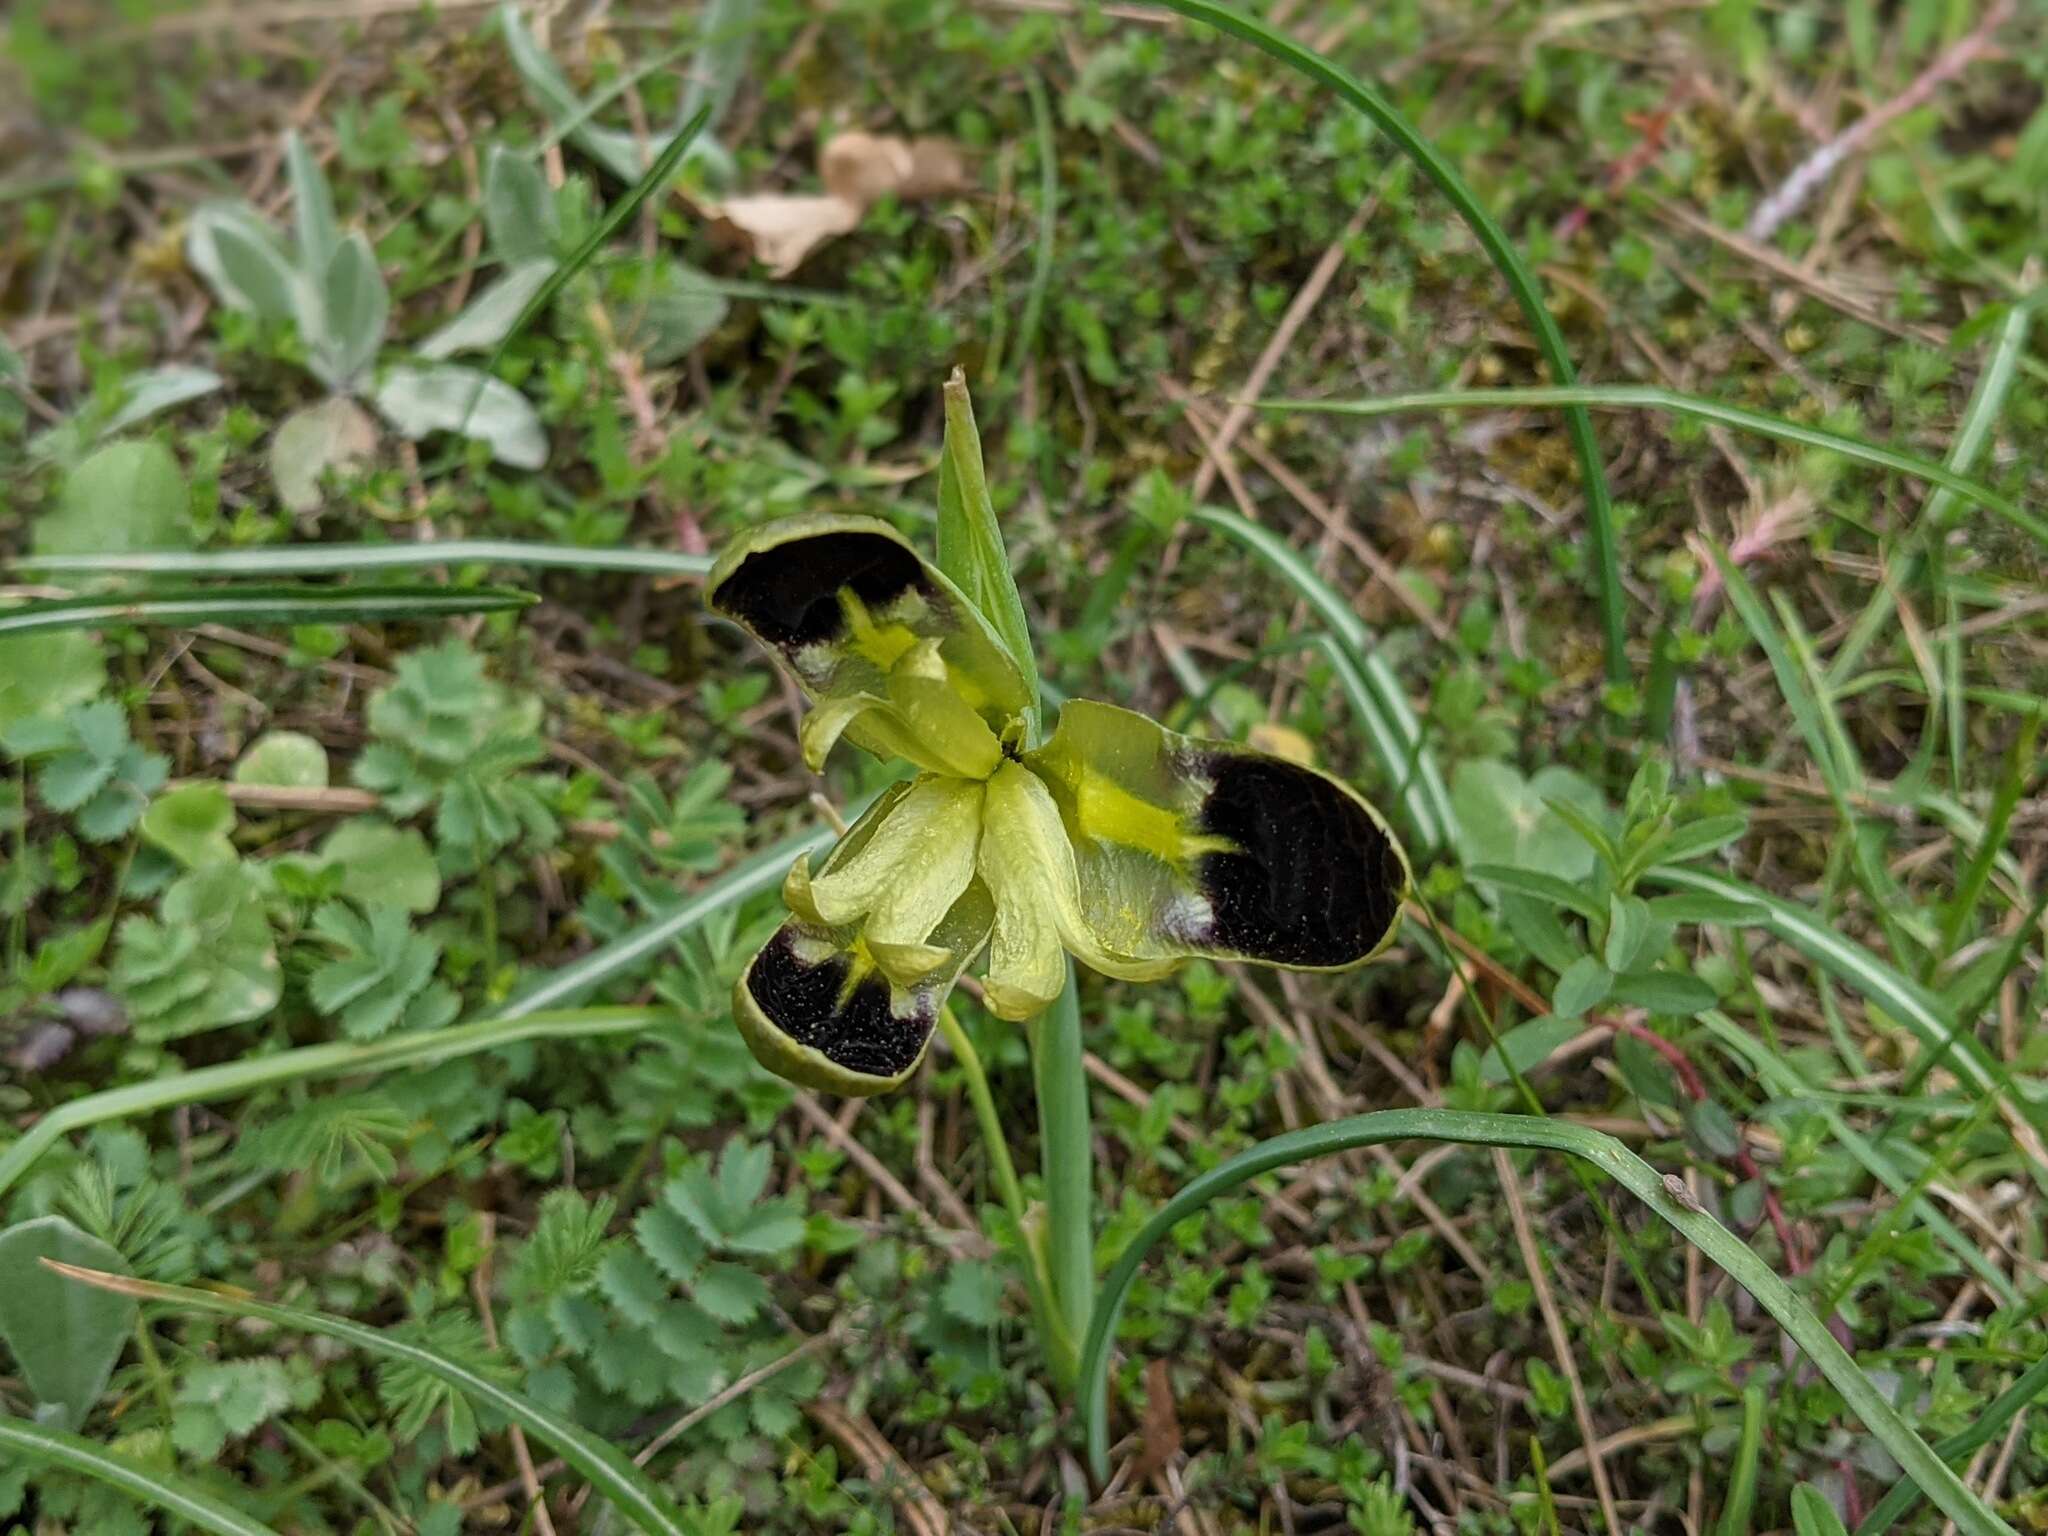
x=329, y=285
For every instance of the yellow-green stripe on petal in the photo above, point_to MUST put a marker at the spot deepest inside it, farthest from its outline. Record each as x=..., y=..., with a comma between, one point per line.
x=848, y=605
x=1185, y=847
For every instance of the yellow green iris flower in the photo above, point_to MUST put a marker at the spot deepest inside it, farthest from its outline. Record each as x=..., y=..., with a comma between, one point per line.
x=1116, y=840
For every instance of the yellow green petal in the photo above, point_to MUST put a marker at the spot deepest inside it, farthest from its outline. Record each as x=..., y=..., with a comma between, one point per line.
x=1027, y=862
x=910, y=868
x=846, y=603
x=1184, y=847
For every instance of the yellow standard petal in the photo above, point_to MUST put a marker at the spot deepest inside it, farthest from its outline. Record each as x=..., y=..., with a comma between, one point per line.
x=905, y=876
x=1028, y=865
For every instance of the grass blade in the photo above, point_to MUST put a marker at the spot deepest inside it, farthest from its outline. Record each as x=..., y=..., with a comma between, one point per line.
x=1905, y=1493
x=1919, y=1010
x=1648, y=397
x=75, y=1453
x=261, y=605
x=236, y=1079
x=1607, y=589
x=656, y=177
x=328, y=559
x=1987, y=400
x=541, y=1014
x=1604, y=1153
x=1385, y=718
x=1741, y=1501
x=631, y=1491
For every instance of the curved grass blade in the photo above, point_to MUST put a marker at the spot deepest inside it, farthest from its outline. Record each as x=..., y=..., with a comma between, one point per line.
x=1905, y=1493
x=1902, y=998
x=236, y=1079
x=329, y=559
x=75, y=1453
x=656, y=177
x=631, y=1491
x=1987, y=402
x=541, y=1014
x=1384, y=716
x=1607, y=588
x=260, y=605
x=1604, y=1153
x=1648, y=397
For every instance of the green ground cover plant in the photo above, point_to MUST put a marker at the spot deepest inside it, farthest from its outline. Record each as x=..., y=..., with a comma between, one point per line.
x=1597, y=440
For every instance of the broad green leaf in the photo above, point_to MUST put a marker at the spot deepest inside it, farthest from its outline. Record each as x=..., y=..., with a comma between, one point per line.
x=1671, y=992
x=126, y=496
x=519, y=210
x=288, y=759
x=155, y=390
x=354, y=307
x=205, y=961
x=1585, y=983
x=42, y=676
x=230, y=246
x=970, y=546
x=1503, y=818
x=1699, y=907
x=259, y=277
x=1529, y=882
x=383, y=863
x=1527, y=1045
x=334, y=434
x=1813, y=1515
x=1630, y=932
x=64, y=1339
x=672, y=312
x=312, y=206
x=192, y=824
x=489, y=317
x=447, y=398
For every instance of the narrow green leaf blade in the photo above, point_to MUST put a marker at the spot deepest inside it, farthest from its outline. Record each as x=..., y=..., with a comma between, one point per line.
x=631, y=1490
x=54, y=1447
x=260, y=606
x=970, y=545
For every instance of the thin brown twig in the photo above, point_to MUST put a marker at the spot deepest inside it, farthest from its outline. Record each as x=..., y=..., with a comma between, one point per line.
x=1560, y=1343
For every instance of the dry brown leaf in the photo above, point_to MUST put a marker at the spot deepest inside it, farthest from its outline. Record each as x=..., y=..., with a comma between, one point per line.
x=859, y=169
x=1160, y=1431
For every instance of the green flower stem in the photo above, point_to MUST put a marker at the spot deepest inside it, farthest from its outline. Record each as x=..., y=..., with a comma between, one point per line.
x=1066, y=1145
x=1918, y=1459
x=1061, y=1344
